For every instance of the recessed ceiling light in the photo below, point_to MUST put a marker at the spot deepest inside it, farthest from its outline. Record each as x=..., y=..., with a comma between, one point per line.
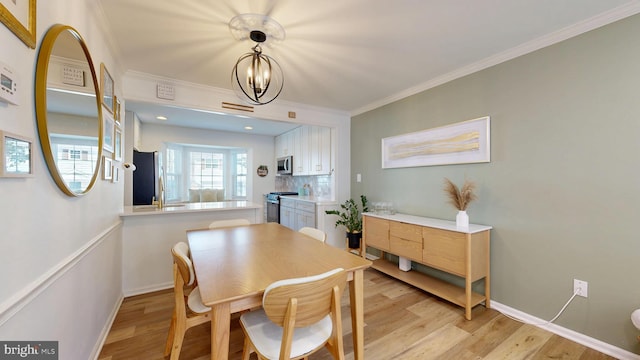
x=248, y=127
x=161, y=117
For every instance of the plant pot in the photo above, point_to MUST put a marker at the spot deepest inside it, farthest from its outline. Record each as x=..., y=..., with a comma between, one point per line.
x=354, y=240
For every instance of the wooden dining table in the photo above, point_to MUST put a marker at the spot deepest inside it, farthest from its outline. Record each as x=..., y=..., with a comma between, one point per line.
x=234, y=265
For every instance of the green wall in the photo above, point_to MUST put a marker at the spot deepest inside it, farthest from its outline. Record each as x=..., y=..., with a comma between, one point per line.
x=562, y=190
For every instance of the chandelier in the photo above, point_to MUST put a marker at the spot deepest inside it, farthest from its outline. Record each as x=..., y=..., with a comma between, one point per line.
x=257, y=77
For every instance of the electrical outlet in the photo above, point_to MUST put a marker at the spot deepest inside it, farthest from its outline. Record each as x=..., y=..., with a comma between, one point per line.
x=581, y=287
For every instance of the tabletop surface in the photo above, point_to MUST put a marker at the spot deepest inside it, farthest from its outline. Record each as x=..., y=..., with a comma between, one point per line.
x=431, y=222
x=236, y=262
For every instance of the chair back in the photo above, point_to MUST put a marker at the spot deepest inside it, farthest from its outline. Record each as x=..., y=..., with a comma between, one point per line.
x=314, y=233
x=314, y=297
x=182, y=261
x=226, y=223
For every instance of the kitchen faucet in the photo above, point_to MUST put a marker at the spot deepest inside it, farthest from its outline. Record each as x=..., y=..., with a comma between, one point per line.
x=161, y=195
x=160, y=202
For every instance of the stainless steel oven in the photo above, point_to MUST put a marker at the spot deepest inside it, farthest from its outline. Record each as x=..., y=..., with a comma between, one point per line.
x=273, y=205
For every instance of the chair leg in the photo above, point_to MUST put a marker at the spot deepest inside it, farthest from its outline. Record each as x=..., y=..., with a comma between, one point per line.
x=172, y=330
x=178, y=338
x=336, y=345
x=246, y=349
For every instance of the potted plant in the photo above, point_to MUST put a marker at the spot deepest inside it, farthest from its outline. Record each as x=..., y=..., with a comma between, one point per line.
x=351, y=218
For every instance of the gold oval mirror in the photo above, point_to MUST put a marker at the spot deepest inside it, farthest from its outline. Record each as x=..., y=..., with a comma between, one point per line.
x=68, y=110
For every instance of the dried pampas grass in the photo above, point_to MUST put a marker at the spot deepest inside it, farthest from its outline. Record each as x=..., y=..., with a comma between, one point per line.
x=460, y=198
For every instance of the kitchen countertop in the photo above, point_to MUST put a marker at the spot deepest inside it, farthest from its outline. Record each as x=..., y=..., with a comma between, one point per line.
x=318, y=200
x=143, y=210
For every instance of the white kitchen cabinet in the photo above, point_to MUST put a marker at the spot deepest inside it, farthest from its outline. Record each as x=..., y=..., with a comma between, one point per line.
x=301, y=158
x=320, y=150
x=287, y=213
x=305, y=214
x=296, y=214
x=310, y=147
x=284, y=144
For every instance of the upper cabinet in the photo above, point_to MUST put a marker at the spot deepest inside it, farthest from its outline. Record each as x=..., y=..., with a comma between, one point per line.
x=320, y=150
x=301, y=150
x=310, y=147
x=284, y=144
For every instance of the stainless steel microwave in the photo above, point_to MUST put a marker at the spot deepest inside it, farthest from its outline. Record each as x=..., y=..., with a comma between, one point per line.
x=285, y=165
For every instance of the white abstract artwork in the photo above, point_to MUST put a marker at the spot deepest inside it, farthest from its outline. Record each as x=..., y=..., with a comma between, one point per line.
x=459, y=143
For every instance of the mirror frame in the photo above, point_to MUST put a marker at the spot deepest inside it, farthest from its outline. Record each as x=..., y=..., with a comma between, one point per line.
x=42, y=70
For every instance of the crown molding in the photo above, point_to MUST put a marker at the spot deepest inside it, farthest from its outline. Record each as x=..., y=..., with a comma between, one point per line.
x=611, y=16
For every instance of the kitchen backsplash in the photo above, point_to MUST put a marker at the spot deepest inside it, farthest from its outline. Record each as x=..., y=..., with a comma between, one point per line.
x=319, y=186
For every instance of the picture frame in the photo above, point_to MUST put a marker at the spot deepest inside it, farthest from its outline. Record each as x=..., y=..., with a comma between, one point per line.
x=16, y=155
x=117, y=144
x=460, y=143
x=108, y=131
x=116, y=109
x=107, y=168
x=20, y=18
x=106, y=88
x=115, y=176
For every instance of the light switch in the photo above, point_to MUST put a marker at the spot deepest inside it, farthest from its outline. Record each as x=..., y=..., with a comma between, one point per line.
x=358, y=177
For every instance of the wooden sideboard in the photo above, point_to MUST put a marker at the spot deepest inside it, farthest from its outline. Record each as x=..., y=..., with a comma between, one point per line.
x=438, y=244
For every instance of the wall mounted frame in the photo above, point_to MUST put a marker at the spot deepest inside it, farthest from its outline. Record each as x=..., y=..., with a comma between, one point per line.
x=117, y=146
x=459, y=143
x=108, y=132
x=107, y=168
x=106, y=88
x=20, y=18
x=16, y=155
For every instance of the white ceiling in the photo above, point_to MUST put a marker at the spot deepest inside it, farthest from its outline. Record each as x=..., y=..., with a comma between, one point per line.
x=351, y=55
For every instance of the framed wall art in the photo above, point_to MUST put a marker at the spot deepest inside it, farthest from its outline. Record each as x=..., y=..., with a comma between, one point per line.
x=117, y=144
x=20, y=18
x=459, y=143
x=115, y=176
x=107, y=168
x=116, y=110
x=108, y=132
x=106, y=88
x=16, y=155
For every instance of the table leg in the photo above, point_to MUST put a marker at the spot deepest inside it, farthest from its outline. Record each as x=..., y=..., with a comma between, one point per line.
x=220, y=327
x=356, y=296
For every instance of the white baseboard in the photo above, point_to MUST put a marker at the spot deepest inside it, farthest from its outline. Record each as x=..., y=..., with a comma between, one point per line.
x=105, y=330
x=582, y=339
x=148, y=289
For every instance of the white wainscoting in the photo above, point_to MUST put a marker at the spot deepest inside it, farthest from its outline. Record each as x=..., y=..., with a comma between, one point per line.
x=74, y=302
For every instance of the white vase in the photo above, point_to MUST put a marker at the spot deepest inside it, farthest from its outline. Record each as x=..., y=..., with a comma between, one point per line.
x=462, y=219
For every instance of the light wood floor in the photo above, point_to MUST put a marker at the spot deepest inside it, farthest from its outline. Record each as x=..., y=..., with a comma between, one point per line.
x=401, y=322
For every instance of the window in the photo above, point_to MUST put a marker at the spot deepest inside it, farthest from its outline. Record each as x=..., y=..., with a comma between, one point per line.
x=76, y=158
x=240, y=181
x=172, y=176
x=205, y=167
x=207, y=170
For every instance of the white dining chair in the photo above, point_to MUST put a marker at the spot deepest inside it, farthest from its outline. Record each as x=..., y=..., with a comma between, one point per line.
x=226, y=223
x=186, y=296
x=298, y=317
x=314, y=233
